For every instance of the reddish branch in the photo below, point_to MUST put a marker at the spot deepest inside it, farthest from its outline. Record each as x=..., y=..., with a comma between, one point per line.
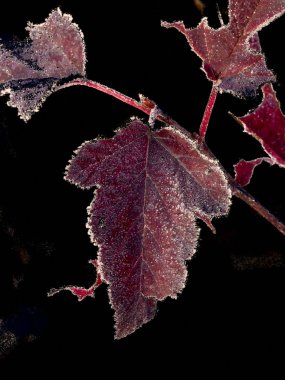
x=144, y=104
x=208, y=113
x=261, y=210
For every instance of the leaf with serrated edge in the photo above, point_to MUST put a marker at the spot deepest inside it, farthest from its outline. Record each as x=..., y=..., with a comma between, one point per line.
x=150, y=186
x=267, y=124
x=230, y=60
x=30, y=71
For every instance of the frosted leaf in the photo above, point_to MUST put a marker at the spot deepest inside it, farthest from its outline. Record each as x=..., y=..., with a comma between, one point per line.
x=28, y=99
x=267, y=124
x=30, y=71
x=230, y=59
x=150, y=187
x=244, y=170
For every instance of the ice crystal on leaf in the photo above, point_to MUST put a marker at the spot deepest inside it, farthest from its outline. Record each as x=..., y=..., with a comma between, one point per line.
x=150, y=187
x=231, y=57
x=29, y=72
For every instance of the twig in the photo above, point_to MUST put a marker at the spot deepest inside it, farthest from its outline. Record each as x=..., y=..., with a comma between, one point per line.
x=145, y=105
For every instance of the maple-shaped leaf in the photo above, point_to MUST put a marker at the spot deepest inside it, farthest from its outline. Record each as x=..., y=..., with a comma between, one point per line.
x=231, y=55
x=267, y=124
x=150, y=187
x=30, y=71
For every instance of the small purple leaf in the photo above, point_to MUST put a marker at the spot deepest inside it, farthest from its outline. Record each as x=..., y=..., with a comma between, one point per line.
x=30, y=73
x=244, y=170
x=267, y=124
x=150, y=187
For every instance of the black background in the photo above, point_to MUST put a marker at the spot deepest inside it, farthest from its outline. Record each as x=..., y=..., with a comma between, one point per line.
x=228, y=322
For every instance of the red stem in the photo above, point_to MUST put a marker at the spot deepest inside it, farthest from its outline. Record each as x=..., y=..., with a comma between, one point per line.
x=145, y=105
x=208, y=113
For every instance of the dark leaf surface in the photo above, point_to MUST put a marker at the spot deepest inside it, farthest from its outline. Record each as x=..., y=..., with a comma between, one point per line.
x=150, y=187
x=29, y=72
x=231, y=59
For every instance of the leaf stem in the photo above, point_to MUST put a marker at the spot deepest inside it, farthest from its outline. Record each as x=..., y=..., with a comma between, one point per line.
x=144, y=104
x=239, y=192
x=208, y=113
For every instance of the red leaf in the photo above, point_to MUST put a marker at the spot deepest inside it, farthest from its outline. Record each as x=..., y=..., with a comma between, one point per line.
x=78, y=291
x=30, y=72
x=229, y=59
x=150, y=188
x=267, y=124
x=244, y=170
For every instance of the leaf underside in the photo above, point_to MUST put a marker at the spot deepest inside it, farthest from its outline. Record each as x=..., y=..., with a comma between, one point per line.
x=30, y=70
x=150, y=187
x=231, y=55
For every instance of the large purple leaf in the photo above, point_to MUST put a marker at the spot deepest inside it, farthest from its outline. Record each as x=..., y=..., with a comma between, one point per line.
x=30, y=71
x=150, y=186
x=230, y=59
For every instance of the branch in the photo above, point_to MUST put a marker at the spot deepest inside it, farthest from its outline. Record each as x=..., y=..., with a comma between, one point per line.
x=256, y=206
x=144, y=104
x=148, y=106
x=208, y=113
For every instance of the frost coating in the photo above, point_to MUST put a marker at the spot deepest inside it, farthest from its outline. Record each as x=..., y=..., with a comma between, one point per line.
x=31, y=71
x=229, y=59
x=150, y=188
x=58, y=45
